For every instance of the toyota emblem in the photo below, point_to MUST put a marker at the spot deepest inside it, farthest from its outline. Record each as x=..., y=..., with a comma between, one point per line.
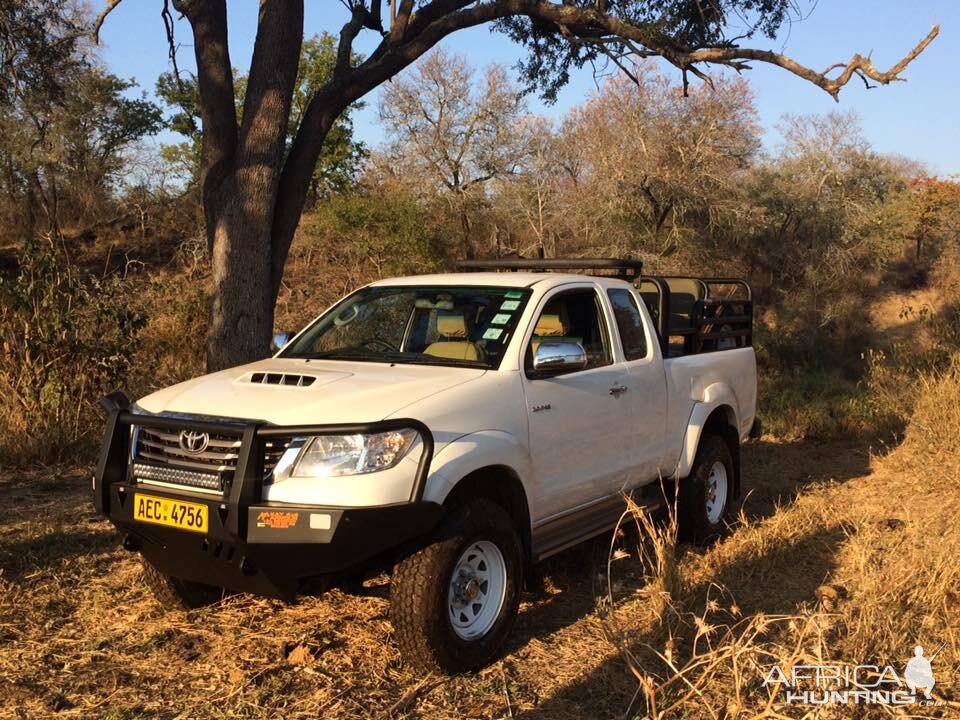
x=194, y=442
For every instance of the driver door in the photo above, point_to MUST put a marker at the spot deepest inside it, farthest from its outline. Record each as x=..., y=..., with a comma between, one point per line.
x=577, y=421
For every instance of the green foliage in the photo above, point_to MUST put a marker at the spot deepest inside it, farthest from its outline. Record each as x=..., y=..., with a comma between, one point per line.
x=65, y=124
x=64, y=342
x=341, y=157
x=683, y=23
x=182, y=97
x=97, y=123
x=38, y=43
x=388, y=233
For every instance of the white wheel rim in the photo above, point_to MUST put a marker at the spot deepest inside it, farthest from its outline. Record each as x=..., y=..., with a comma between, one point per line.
x=478, y=588
x=716, y=492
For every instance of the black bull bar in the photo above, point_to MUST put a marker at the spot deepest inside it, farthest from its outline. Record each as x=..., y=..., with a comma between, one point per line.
x=237, y=552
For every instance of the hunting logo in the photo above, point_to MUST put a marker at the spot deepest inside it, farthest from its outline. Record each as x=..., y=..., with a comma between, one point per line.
x=858, y=684
x=919, y=673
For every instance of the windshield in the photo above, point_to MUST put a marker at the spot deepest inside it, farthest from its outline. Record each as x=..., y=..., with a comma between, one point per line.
x=448, y=325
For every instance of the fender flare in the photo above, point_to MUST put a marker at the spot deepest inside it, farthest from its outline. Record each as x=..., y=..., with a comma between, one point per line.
x=715, y=396
x=476, y=451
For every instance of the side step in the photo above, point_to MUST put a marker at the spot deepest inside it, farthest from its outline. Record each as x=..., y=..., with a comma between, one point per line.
x=576, y=526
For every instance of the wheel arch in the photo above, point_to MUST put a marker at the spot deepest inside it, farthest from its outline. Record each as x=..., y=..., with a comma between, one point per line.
x=499, y=484
x=719, y=419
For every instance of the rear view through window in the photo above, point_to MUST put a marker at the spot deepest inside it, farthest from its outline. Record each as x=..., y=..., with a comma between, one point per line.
x=629, y=323
x=468, y=326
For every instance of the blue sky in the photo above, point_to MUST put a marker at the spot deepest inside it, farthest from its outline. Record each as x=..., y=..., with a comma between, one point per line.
x=919, y=118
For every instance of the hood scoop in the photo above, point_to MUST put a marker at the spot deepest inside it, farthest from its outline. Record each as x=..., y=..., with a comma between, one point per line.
x=287, y=379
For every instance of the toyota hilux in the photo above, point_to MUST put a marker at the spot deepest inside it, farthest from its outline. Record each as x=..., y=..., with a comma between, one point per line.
x=456, y=428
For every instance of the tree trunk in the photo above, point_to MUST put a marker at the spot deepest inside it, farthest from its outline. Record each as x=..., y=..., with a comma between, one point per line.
x=241, y=311
x=241, y=169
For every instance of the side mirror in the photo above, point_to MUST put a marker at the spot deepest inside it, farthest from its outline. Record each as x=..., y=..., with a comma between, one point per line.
x=557, y=358
x=280, y=340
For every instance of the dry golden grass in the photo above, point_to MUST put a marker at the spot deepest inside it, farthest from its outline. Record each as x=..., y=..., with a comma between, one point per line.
x=839, y=555
x=80, y=636
x=847, y=572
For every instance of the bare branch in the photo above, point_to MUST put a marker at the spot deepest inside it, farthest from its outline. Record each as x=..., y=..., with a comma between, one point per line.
x=412, y=34
x=398, y=25
x=101, y=18
x=347, y=35
x=168, y=26
x=862, y=66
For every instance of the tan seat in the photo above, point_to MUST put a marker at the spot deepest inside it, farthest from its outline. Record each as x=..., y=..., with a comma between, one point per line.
x=453, y=350
x=684, y=294
x=549, y=325
x=453, y=325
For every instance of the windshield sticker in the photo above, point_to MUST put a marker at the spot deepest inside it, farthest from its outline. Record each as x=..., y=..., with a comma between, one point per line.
x=493, y=334
x=513, y=294
x=510, y=305
x=501, y=319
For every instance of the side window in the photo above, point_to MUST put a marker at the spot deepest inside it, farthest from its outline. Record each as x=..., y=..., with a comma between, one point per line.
x=573, y=316
x=629, y=323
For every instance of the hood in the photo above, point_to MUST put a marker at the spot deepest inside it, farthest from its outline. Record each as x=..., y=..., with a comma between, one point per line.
x=286, y=391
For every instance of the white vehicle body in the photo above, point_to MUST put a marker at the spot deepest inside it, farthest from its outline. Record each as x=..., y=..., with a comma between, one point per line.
x=574, y=443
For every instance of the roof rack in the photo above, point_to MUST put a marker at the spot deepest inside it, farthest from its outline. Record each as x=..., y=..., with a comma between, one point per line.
x=628, y=269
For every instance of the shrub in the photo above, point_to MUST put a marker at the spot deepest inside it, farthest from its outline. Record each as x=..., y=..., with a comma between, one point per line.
x=63, y=340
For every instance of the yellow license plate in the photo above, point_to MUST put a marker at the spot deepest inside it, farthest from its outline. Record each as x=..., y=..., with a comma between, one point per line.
x=172, y=513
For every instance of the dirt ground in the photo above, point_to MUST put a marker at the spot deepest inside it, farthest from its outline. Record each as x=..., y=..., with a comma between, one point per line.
x=81, y=637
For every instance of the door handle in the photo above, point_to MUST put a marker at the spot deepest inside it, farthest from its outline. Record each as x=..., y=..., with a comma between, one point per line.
x=618, y=390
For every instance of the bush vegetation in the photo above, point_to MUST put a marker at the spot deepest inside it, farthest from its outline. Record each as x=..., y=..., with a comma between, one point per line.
x=817, y=225
x=854, y=256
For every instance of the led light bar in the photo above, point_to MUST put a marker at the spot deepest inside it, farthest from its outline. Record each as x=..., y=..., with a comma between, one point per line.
x=176, y=476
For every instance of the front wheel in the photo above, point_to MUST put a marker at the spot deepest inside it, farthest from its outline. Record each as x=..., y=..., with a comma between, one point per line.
x=176, y=594
x=706, y=495
x=453, y=602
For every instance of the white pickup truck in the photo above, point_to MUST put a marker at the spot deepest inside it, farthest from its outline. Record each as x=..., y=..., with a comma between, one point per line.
x=457, y=427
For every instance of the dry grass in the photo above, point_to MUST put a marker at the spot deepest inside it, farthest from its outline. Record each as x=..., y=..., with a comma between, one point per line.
x=845, y=573
x=839, y=554
x=80, y=637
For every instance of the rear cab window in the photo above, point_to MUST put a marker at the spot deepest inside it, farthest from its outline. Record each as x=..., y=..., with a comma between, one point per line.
x=626, y=313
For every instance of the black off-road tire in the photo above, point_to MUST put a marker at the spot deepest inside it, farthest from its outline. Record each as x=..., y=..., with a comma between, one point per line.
x=421, y=581
x=694, y=524
x=176, y=594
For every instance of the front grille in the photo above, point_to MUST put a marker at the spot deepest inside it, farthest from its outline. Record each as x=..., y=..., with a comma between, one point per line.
x=212, y=468
x=164, y=446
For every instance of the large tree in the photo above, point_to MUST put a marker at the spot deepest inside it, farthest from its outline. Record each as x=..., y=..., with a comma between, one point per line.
x=453, y=134
x=254, y=186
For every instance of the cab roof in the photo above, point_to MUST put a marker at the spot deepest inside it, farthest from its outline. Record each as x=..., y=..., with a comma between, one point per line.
x=494, y=279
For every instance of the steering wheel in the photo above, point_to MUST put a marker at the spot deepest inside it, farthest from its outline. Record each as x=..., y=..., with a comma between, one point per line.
x=378, y=344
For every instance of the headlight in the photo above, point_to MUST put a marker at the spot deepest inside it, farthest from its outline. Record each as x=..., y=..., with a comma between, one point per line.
x=336, y=455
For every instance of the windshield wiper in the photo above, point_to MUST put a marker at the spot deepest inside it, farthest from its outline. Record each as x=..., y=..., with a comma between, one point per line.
x=342, y=354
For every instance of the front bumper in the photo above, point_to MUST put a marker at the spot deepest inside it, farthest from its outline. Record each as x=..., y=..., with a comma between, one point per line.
x=266, y=548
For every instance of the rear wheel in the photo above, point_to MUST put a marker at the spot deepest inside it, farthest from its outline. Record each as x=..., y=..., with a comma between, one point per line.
x=174, y=593
x=706, y=494
x=453, y=602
